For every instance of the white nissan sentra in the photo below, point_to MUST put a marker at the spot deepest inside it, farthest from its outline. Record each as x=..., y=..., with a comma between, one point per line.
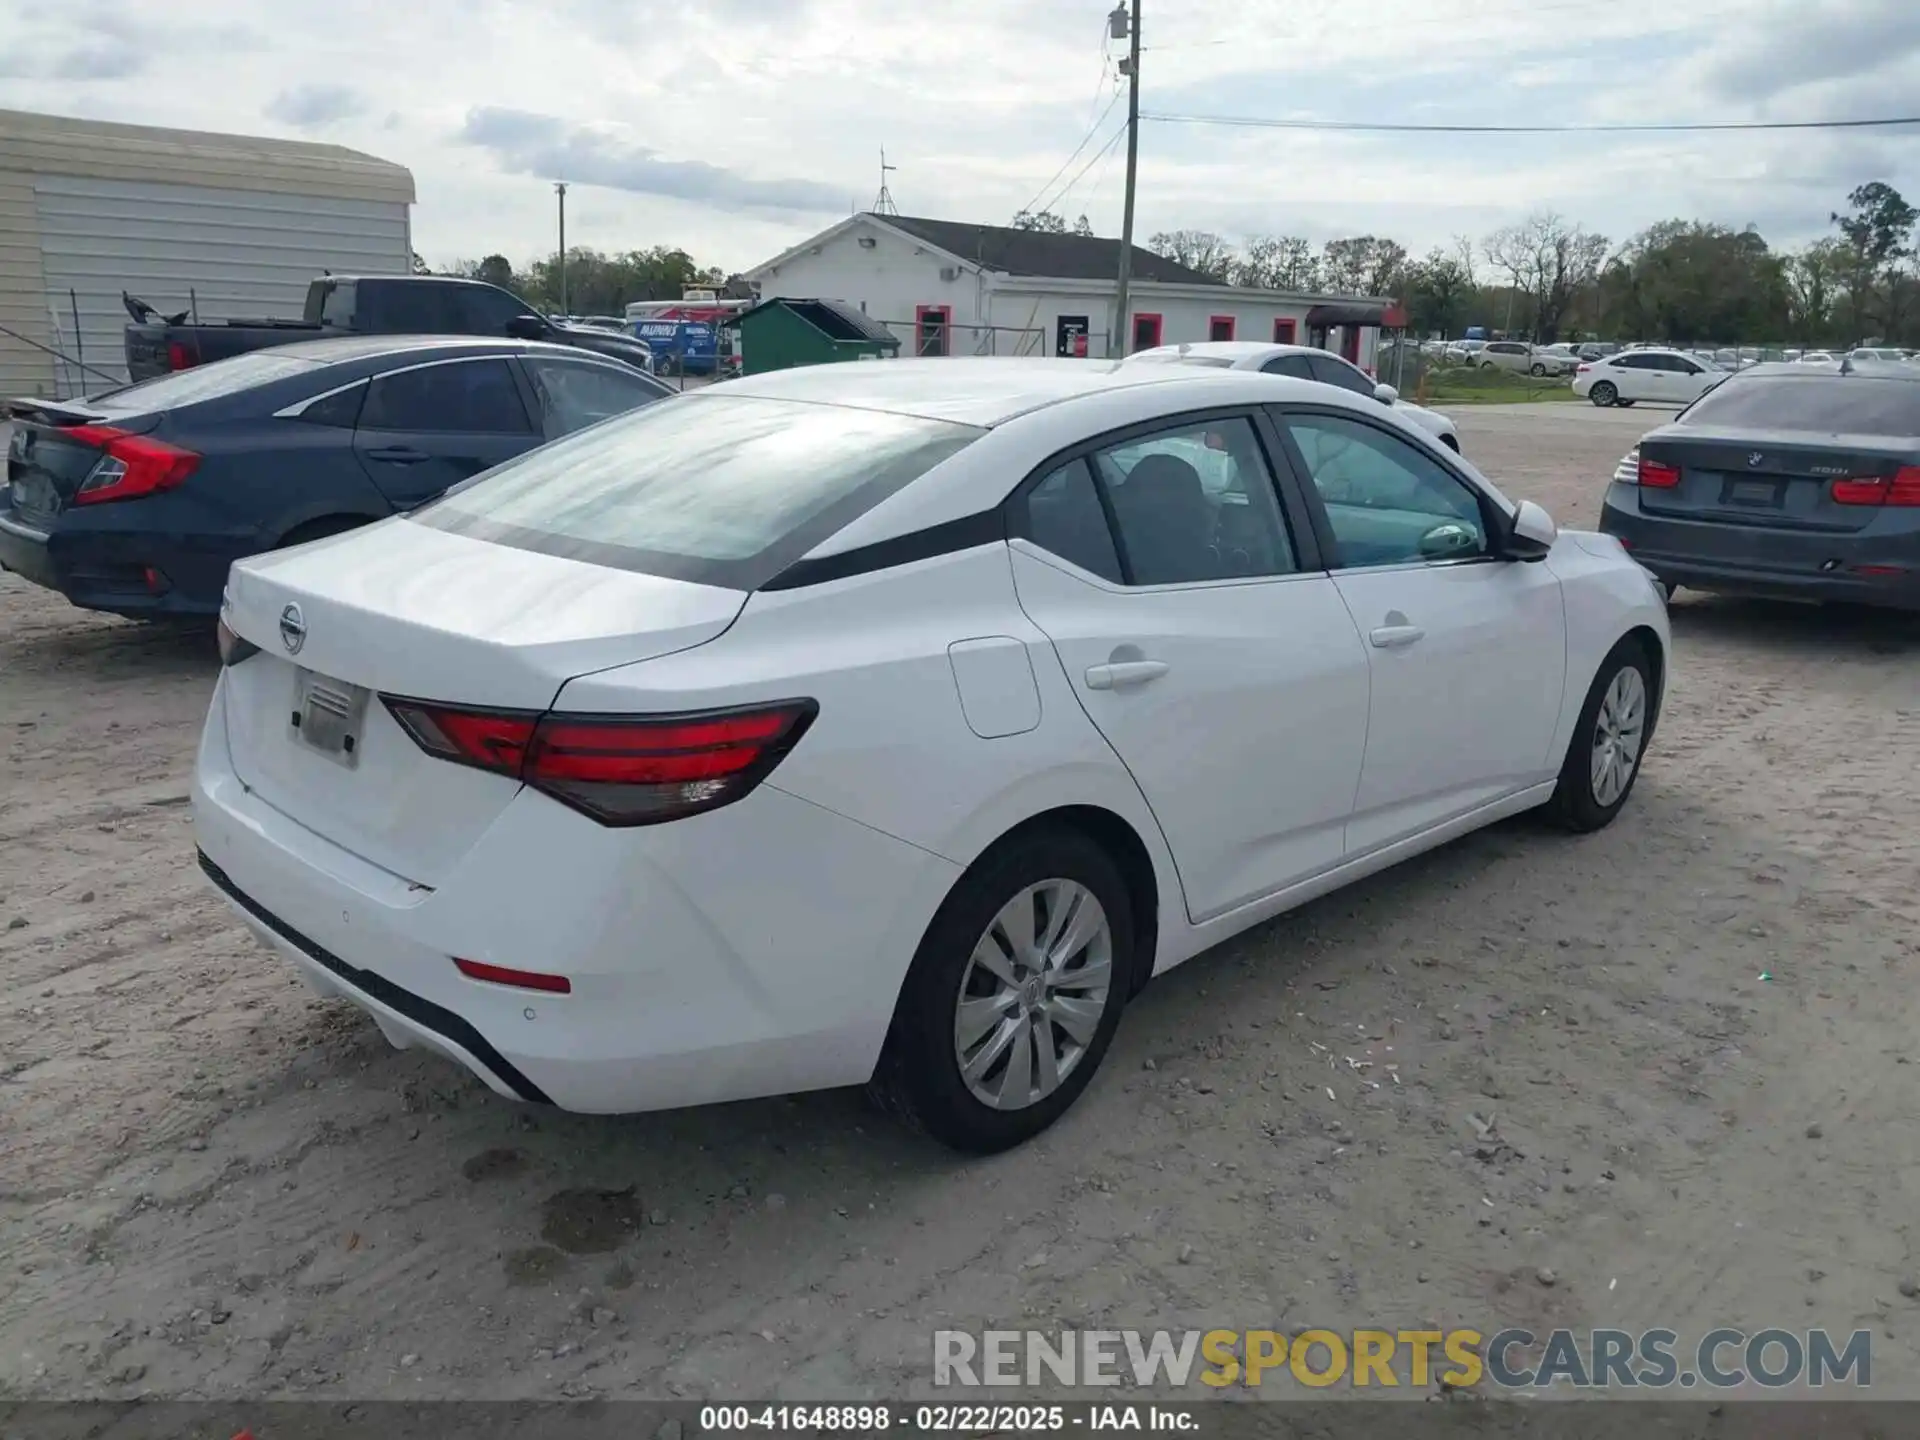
x=893, y=723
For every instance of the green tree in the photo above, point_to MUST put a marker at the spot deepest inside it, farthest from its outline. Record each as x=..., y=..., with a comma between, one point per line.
x=1878, y=231
x=1438, y=290
x=1277, y=262
x=1044, y=221
x=1362, y=265
x=495, y=270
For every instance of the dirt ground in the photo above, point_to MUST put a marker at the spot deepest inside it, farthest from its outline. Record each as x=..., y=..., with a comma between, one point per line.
x=1655, y=1076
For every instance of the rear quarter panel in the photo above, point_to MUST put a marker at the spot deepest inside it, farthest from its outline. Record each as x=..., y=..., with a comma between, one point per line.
x=892, y=747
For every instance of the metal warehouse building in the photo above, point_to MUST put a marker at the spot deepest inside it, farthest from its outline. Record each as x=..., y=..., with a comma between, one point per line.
x=226, y=226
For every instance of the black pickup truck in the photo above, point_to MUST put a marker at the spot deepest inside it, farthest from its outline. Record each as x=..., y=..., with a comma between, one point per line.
x=364, y=305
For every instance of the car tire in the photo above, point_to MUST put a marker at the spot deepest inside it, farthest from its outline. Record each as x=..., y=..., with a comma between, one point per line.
x=1618, y=714
x=1538, y=371
x=1604, y=394
x=920, y=1078
x=1486, y=365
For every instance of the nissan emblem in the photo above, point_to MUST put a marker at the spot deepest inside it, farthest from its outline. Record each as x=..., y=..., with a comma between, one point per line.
x=293, y=629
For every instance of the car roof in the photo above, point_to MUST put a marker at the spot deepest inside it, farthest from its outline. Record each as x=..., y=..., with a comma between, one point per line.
x=989, y=390
x=343, y=348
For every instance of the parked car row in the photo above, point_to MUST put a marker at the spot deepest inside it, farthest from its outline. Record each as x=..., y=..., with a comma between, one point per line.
x=709, y=680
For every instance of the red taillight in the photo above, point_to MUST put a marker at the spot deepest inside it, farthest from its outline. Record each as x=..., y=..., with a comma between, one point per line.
x=620, y=770
x=1657, y=476
x=1581, y=369
x=131, y=466
x=1901, y=488
x=178, y=356
x=519, y=979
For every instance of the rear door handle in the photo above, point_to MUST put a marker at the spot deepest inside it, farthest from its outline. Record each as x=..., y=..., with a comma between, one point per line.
x=398, y=455
x=1392, y=637
x=1122, y=673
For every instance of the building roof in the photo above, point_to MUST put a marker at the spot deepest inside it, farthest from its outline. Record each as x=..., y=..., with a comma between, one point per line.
x=1035, y=252
x=61, y=145
x=833, y=319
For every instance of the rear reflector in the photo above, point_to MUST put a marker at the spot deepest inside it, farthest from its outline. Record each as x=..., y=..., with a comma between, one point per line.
x=131, y=465
x=1901, y=488
x=1879, y=571
x=1657, y=476
x=520, y=979
x=618, y=769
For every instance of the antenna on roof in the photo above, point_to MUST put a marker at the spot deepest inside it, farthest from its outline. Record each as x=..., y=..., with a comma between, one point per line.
x=883, y=202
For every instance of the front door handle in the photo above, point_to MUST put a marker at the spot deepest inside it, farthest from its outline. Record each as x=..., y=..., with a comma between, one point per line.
x=1393, y=637
x=398, y=455
x=1122, y=673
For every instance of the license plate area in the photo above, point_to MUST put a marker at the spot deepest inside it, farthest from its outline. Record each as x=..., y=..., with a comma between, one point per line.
x=329, y=716
x=1753, y=494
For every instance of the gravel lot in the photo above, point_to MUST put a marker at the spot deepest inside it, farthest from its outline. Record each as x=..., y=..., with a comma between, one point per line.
x=1653, y=1076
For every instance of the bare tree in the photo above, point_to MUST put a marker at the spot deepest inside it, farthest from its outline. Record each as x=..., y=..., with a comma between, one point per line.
x=1277, y=262
x=1200, y=250
x=1549, y=260
x=1363, y=265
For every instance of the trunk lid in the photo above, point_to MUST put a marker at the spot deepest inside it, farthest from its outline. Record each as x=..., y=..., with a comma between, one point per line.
x=50, y=451
x=402, y=609
x=1771, y=479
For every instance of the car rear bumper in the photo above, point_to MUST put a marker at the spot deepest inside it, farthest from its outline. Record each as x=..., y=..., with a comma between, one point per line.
x=115, y=568
x=754, y=950
x=1862, y=568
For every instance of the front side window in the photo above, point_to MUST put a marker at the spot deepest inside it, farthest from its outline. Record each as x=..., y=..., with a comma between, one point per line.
x=486, y=311
x=1193, y=504
x=462, y=396
x=1330, y=371
x=1387, y=502
x=574, y=396
x=720, y=490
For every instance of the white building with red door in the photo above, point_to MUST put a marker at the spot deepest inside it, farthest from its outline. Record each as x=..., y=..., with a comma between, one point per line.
x=948, y=288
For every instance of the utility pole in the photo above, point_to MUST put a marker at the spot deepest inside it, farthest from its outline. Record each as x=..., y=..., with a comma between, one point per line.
x=560, y=189
x=1121, y=339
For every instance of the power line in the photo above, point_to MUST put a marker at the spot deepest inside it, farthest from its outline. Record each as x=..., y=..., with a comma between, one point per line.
x=1092, y=160
x=1385, y=127
x=1094, y=125
x=1091, y=129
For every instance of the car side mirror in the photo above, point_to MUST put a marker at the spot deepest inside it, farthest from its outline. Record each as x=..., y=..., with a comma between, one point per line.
x=1385, y=394
x=1532, y=533
x=526, y=327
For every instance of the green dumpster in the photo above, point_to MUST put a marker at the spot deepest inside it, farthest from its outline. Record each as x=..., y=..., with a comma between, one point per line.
x=779, y=334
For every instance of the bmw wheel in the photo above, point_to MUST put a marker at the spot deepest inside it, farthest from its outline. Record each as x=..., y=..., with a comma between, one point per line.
x=1609, y=741
x=1014, y=996
x=1604, y=393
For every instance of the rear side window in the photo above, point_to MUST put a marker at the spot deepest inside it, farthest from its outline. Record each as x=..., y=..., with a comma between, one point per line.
x=341, y=410
x=720, y=490
x=463, y=396
x=574, y=396
x=486, y=311
x=1293, y=366
x=1821, y=403
x=1065, y=518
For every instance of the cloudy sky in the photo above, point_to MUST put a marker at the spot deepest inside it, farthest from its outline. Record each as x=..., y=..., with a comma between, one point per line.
x=734, y=128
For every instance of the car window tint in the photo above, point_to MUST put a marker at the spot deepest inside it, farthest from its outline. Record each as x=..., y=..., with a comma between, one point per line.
x=486, y=311
x=574, y=396
x=722, y=490
x=1330, y=371
x=1291, y=365
x=464, y=396
x=1387, y=502
x=341, y=409
x=1195, y=503
x=1064, y=516
x=407, y=308
x=1821, y=403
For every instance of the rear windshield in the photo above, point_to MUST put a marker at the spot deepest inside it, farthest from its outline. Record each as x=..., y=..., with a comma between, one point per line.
x=205, y=382
x=720, y=490
x=1827, y=404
